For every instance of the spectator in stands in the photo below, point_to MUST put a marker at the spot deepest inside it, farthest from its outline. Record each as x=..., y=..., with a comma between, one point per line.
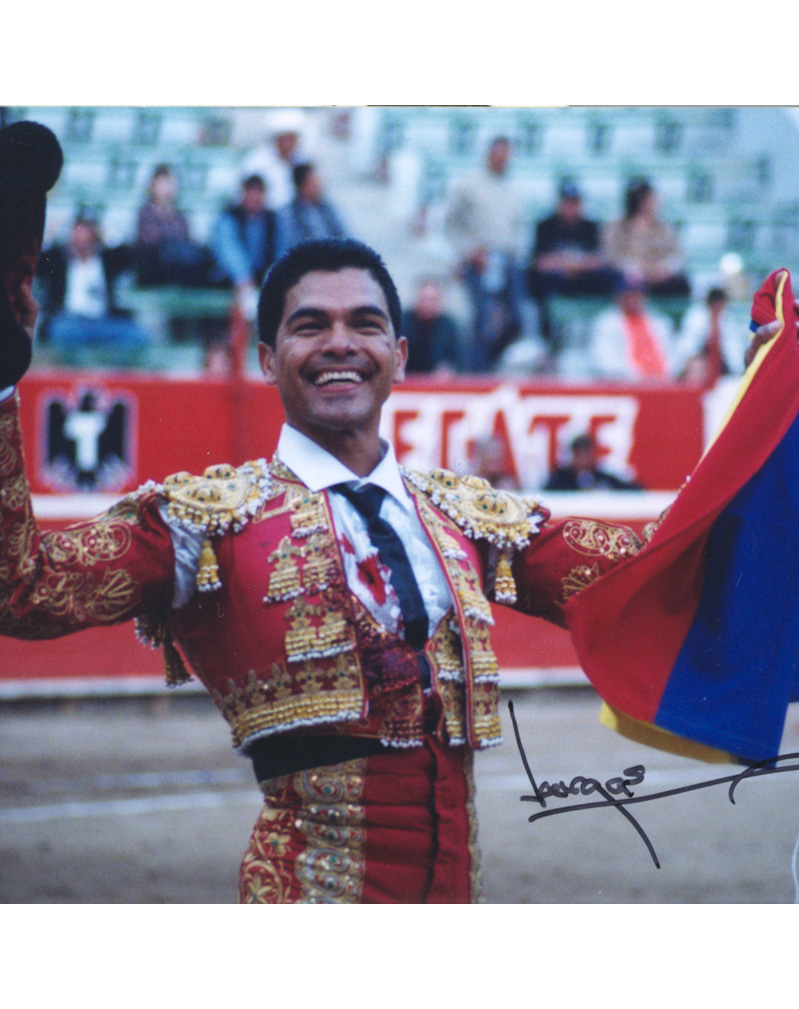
x=582, y=472
x=274, y=160
x=489, y=458
x=485, y=220
x=643, y=247
x=244, y=242
x=309, y=215
x=709, y=345
x=76, y=289
x=165, y=251
x=566, y=256
x=434, y=343
x=630, y=341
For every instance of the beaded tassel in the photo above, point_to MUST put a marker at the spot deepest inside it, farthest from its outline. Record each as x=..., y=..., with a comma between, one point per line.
x=208, y=571
x=174, y=668
x=154, y=631
x=504, y=583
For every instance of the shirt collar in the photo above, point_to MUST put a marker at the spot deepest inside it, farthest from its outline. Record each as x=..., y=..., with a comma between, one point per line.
x=319, y=470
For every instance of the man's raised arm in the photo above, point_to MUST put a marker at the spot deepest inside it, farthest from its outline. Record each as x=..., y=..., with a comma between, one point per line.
x=112, y=568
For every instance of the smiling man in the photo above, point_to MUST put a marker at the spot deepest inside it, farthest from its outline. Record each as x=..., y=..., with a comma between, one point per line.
x=334, y=604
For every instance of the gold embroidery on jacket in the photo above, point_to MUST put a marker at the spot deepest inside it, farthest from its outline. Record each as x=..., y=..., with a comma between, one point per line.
x=316, y=632
x=283, y=698
x=223, y=497
x=507, y=520
x=453, y=700
x=81, y=598
x=265, y=877
x=309, y=515
x=103, y=540
x=485, y=713
x=477, y=617
x=69, y=596
x=445, y=650
x=9, y=456
x=285, y=581
x=331, y=817
x=599, y=539
x=15, y=493
x=483, y=660
x=595, y=539
x=578, y=579
x=320, y=571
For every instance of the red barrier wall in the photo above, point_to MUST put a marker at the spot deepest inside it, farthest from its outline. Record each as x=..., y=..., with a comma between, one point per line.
x=655, y=433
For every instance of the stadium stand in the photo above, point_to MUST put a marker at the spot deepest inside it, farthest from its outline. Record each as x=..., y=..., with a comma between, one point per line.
x=720, y=172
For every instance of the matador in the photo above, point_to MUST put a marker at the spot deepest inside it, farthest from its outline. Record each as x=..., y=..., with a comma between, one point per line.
x=335, y=605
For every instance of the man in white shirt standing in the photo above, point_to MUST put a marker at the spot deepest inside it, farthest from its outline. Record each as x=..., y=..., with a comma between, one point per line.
x=485, y=220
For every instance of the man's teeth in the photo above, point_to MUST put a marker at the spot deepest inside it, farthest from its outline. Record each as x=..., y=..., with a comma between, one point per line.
x=329, y=377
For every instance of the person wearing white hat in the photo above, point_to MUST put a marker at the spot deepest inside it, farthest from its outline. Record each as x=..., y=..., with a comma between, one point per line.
x=274, y=160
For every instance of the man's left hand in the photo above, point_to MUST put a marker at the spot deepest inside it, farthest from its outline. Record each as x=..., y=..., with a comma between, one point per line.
x=763, y=334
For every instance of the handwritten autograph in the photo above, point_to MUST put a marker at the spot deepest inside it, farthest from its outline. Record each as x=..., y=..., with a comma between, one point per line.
x=616, y=792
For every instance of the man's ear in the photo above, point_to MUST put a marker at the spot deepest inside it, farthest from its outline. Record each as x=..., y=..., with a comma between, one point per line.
x=402, y=360
x=266, y=358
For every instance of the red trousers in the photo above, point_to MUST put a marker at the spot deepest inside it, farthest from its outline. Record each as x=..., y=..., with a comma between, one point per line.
x=398, y=827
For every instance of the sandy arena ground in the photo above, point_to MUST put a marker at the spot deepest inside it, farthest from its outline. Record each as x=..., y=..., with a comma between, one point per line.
x=143, y=801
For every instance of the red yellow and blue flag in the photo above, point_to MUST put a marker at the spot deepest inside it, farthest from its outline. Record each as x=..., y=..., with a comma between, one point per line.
x=694, y=643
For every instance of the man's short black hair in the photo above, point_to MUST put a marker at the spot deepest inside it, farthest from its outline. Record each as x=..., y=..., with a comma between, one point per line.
x=301, y=172
x=328, y=255
x=254, y=182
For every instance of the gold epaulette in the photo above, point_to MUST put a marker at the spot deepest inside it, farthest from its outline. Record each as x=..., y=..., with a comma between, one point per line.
x=483, y=513
x=506, y=520
x=223, y=498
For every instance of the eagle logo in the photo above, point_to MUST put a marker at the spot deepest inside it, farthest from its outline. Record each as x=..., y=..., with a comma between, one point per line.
x=88, y=441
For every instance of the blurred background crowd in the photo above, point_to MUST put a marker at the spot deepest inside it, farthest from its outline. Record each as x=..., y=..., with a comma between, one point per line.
x=577, y=244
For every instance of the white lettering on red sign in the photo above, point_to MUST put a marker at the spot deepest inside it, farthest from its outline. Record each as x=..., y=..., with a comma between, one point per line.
x=434, y=428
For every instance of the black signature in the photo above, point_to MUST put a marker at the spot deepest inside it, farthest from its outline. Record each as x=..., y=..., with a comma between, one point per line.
x=620, y=786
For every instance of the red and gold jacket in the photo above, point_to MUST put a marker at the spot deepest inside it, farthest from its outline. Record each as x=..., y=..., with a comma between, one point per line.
x=273, y=632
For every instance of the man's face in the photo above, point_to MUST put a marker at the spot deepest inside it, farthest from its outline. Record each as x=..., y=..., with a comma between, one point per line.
x=570, y=209
x=311, y=189
x=428, y=301
x=84, y=242
x=583, y=457
x=498, y=157
x=253, y=199
x=336, y=355
x=286, y=144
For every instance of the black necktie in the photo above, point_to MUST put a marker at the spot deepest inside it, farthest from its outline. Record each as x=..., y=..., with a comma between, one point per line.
x=392, y=553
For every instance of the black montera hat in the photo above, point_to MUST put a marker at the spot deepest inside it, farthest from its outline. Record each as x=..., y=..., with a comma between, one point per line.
x=30, y=163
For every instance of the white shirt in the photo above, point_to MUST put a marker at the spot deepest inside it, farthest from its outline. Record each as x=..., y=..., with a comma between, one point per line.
x=609, y=353
x=86, y=291
x=320, y=471
x=486, y=211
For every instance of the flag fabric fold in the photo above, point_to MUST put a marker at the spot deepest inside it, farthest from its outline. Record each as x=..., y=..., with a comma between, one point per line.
x=697, y=637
